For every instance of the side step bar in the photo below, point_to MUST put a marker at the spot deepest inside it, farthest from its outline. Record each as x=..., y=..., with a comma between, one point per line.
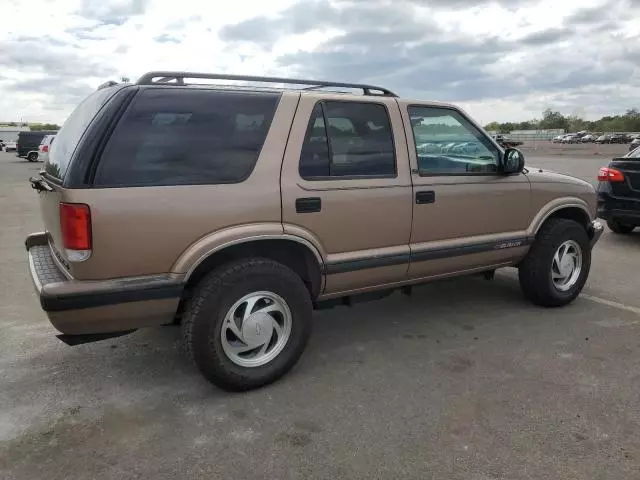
x=73, y=340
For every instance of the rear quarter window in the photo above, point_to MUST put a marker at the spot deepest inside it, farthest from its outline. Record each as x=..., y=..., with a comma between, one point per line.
x=71, y=133
x=175, y=136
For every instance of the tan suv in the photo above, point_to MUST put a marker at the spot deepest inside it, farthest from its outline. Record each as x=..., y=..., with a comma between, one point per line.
x=237, y=210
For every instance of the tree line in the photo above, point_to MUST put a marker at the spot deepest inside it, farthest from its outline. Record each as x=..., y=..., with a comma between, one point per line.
x=628, y=122
x=33, y=126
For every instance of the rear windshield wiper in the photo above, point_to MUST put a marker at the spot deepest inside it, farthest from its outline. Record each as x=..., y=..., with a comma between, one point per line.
x=38, y=183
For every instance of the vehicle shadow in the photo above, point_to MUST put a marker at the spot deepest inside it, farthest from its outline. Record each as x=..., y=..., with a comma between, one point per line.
x=438, y=320
x=627, y=239
x=435, y=311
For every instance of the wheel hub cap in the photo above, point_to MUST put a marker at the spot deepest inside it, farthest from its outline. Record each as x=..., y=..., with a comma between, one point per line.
x=566, y=265
x=256, y=329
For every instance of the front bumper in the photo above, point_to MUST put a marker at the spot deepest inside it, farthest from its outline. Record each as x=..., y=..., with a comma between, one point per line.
x=595, y=232
x=77, y=307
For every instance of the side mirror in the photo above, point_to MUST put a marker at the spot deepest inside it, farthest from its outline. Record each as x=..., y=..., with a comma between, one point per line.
x=512, y=161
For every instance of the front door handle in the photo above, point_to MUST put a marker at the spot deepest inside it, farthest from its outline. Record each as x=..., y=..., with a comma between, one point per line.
x=308, y=205
x=428, y=196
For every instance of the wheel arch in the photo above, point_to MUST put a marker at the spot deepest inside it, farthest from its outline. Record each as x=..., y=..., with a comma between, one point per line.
x=294, y=252
x=570, y=209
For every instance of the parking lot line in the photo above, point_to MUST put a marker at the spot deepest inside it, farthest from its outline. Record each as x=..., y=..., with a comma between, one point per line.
x=611, y=303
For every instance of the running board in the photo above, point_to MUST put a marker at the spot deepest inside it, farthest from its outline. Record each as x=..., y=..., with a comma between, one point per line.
x=73, y=340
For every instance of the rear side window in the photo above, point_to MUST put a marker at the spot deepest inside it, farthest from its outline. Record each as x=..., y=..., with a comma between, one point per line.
x=174, y=136
x=71, y=132
x=348, y=139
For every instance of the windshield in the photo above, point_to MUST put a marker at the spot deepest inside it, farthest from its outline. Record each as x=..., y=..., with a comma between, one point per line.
x=71, y=132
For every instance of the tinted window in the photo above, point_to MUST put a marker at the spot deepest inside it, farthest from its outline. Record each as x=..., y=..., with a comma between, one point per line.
x=446, y=143
x=355, y=141
x=176, y=136
x=72, y=131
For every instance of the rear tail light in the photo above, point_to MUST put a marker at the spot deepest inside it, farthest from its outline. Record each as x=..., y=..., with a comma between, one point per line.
x=45, y=148
x=612, y=175
x=75, y=224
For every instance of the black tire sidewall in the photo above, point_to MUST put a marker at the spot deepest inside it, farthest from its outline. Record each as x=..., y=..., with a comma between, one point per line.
x=576, y=233
x=207, y=345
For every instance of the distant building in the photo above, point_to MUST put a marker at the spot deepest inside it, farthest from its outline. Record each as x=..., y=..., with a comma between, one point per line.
x=10, y=134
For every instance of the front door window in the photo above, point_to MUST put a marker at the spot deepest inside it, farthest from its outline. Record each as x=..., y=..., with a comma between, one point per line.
x=447, y=144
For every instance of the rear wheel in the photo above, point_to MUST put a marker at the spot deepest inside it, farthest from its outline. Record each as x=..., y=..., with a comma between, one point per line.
x=247, y=323
x=556, y=268
x=616, y=226
x=32, y=157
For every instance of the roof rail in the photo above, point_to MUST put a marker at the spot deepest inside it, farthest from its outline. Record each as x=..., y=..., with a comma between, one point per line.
x=107, y=84
x=177, y=78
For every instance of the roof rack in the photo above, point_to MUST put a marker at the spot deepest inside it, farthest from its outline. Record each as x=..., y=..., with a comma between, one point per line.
x=177, y=78
x=107, y=84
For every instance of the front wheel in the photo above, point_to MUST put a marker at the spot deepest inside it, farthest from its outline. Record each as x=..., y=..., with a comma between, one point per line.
x=247, y=323
x=616, y=226
x=556, y=268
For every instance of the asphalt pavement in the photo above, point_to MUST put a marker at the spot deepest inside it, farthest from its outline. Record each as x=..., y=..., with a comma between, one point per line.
x=463, y=380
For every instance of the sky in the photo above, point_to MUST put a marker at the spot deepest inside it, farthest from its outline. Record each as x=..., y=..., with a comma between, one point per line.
x=503, y=60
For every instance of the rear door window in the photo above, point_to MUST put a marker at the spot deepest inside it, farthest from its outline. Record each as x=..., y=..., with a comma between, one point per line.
x=175, y=136
x=72, y=131
x=348, y=140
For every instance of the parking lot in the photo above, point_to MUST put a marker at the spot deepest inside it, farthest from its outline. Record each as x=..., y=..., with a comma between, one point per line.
x=463, y=380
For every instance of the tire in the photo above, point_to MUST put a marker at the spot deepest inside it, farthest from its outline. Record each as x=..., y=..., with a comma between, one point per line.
x=32, y=157
x=620, y=228
x=537, y=269
x=219, y=293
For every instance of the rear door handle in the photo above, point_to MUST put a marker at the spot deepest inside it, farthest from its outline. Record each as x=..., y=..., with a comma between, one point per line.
x=428, y=196
x=308, y=205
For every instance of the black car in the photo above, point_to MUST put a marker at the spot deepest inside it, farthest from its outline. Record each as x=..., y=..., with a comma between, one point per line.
x=30, y=141
x=618, y=138
x=619, y=193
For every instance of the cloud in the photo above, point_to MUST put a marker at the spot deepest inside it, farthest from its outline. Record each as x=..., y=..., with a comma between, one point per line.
x=546, y=37
x=500, y=59
x=164, y=38
x=111, y=12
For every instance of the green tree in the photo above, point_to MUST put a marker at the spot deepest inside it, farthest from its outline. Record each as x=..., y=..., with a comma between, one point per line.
x=551, y=119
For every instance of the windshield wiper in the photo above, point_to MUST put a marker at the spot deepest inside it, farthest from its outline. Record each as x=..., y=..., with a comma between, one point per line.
x=38, y=183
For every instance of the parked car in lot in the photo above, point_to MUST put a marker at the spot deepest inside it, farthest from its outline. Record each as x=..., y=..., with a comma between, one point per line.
x=10, y=147
x=588, y=138
x=43, y=149
x=235, y=212
x=619, y=138
x=557, y=139
x=570, y=138
x=28, y=143
x=506, y=142
x=603, y=139
x=635, y=143
x=619, y=193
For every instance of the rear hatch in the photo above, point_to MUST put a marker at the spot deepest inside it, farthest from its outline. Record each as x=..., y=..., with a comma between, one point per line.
x=61, y=154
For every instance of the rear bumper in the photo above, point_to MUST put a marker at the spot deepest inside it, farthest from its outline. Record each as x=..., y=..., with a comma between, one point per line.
x=624, y=209
x=77, y=307
x=625, y=216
